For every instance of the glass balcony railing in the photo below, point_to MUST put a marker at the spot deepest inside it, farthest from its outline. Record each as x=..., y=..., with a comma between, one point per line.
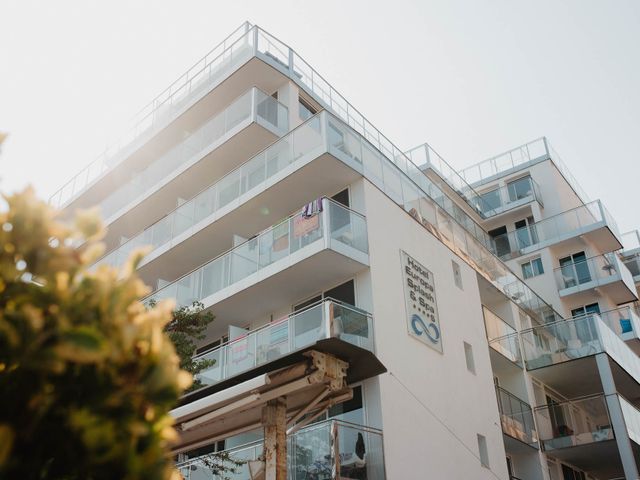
x=502, y=199
x=354, y=451
x=254, y=105
x=592, y=272
x=423, y=156
x=576, y=338
x=633, y=265
x=575, y=422
x=516, y=417
x=502, y=337
x=487, y=204
x=326, y=319
x=489, y=169
x=623, y=321
x=631, y=241
x=335, y=223
x=257, y=173
x=228, y=55
x=631, y=419
x=231, y=464
x=553, y=229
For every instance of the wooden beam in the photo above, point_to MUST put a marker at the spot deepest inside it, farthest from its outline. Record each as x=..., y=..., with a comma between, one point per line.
x=274, y=420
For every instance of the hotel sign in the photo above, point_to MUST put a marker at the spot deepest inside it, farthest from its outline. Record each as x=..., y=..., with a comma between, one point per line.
x=420, y=302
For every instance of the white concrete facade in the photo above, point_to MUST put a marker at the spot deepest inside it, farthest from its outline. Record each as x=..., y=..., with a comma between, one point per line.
x=215, y=178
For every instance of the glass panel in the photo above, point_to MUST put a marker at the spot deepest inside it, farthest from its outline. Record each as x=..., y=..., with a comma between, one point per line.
x=562, y=341
x=273, y=341
x=308, y=326
x=352, y=325
x=491, y=200
x=577, y=422
x=519, y=189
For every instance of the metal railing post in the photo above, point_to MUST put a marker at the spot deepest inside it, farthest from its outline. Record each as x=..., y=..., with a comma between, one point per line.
x=255, y=40
x=326, y=220
x=327, y=313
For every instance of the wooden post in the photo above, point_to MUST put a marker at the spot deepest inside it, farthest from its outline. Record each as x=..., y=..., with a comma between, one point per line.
x=274, y=421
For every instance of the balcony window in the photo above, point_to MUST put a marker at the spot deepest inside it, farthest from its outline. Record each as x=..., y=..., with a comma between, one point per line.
x=569, y=473
x=501, y=240
x=532, y=268
x=575, y=270
x=491, y=200
x=526, y=232
x=586, y=310
x=519, y=189
x=305, y=111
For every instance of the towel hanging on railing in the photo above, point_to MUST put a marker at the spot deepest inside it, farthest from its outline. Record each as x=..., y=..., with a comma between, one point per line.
x=312, y=208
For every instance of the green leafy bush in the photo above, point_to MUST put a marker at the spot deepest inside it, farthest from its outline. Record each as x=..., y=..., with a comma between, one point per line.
x=87, y=373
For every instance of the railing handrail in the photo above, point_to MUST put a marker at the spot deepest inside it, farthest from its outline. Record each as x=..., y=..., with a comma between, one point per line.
x=572, y=401
x=282, y=319
x=237, y=247
x=515, y=397
x=560, y=322
x=502, y=337
x=613, y=310
x=514, y=330
x=513, y=149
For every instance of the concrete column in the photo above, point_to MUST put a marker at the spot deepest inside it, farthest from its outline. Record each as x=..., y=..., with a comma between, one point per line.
x=288, y=95
x=617, y=419
x=274, y=421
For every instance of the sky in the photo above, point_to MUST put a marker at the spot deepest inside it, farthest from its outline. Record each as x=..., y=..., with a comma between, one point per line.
x=473, y=78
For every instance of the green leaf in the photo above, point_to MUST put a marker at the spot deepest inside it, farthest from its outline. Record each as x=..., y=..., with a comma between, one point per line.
x=82, y=345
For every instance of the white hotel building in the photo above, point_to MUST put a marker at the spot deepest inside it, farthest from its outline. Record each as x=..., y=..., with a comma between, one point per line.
x=378, y=313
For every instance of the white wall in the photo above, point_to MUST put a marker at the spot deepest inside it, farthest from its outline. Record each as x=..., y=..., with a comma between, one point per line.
x=424, y=389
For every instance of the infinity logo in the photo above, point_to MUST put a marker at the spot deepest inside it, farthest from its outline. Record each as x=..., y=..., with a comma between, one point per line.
x=419, y=327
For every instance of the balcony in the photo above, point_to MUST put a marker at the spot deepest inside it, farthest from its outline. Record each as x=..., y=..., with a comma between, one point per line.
x=250, y=122
x=516, y=418
x=517, y=159
x=632, y=262
x=503, y=340
x=606, y=272
x=291, y=171
x=278, y=266
x=329, y=319
x=579, y=432
x=562, y=355
x=572, y=423
x=625, y=323
x=591, y=221
x=353, y=450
